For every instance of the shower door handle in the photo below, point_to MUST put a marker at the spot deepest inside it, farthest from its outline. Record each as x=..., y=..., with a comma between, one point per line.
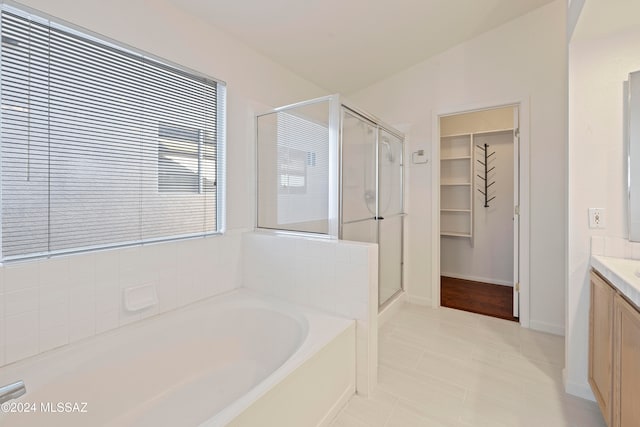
x=378, y=218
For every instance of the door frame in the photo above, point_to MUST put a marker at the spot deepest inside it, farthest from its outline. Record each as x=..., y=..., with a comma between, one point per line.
x=524, y=244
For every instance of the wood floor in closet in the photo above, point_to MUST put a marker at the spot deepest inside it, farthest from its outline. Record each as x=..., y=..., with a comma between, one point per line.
x=477, y=297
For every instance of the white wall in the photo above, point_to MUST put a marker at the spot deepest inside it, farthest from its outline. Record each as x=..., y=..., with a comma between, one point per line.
x=597, y=172
x=49, y=303
x=523, y=59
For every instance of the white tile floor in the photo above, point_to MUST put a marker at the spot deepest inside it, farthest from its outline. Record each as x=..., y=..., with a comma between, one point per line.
x=443, y=367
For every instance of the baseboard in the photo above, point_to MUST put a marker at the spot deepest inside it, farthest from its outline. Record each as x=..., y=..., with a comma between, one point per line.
x=337, y=407
x=478, y=279
x=576, y=389
x=546, y=327
x=391, y=309
x=412, y=299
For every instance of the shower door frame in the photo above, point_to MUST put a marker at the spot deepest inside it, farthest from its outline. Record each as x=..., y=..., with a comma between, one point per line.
x=379, y=125
x=335, y=193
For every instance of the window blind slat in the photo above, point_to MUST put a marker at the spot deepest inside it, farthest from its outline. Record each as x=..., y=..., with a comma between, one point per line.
x=100, y=146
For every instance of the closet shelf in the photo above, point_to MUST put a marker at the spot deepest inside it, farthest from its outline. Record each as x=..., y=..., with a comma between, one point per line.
x=449, y=184
x=454, y=234
x=493, y=132
x=455, y=135
x=456, y=184
x=478, y=133
x=456, y=210
x=456, y=158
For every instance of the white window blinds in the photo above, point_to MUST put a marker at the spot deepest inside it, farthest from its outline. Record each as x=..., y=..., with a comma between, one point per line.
x=101, y=146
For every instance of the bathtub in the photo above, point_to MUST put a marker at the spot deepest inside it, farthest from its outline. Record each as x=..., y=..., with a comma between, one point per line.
x=236, y=359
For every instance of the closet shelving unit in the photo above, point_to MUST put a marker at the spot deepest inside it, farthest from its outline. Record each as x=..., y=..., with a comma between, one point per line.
x=456, y=185
x=457, y=182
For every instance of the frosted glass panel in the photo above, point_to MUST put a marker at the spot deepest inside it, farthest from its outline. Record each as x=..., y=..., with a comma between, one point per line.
x=361, y=231
x=390, y=181
x=390, y=258
x=358, y=168
x=293, y=169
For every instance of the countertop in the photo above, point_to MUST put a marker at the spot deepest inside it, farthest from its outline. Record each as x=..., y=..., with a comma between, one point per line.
x=621, y=272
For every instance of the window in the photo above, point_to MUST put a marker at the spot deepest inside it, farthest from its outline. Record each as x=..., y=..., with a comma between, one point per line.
x=186, y=161
x=102, y=146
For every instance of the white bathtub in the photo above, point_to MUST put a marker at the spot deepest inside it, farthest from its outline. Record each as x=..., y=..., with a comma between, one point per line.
x=236, y=359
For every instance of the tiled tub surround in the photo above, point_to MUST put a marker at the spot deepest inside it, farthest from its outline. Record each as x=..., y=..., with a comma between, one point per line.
x=235, y=359
x=336, y=276
x=60, y=304
x=48, y=303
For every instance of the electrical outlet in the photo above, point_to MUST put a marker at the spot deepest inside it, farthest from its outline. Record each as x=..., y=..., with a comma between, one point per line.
x=596, y=218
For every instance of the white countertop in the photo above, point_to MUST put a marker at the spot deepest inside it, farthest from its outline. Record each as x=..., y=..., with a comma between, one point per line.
x=622, y=273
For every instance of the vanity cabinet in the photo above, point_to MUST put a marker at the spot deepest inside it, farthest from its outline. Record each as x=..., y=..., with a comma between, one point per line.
x=601, y=344
x=614, y=354
x=626, y=365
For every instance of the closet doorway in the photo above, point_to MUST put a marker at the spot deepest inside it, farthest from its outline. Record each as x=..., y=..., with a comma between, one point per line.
x=479, y=232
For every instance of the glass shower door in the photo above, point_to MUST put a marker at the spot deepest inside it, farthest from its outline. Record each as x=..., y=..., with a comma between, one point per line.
x=372, y=205
x=359, y=185
x=390, y=215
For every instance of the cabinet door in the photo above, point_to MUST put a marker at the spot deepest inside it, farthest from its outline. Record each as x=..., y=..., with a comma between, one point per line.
x=626, y=388
x=600, y=344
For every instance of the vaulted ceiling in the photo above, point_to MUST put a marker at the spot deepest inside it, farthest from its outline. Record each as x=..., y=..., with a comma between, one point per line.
x=602, y=17
x=346, y=45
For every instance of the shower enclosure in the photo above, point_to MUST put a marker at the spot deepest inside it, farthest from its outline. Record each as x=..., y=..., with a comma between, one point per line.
x=326, y=168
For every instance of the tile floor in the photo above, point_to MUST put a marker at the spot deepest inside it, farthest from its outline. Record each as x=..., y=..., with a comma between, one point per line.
x=443, y=367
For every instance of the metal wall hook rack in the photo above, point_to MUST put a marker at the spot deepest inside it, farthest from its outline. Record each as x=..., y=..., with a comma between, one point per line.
x=487, y=170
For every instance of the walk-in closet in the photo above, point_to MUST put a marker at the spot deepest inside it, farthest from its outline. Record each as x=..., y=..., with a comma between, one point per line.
x=478, y=218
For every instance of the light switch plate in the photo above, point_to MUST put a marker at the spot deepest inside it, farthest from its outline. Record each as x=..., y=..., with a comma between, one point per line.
x=596, y=218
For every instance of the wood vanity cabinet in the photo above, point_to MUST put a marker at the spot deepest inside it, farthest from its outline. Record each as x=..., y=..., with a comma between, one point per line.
x=614, y=354
x=601, y=344
x=626, y=364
